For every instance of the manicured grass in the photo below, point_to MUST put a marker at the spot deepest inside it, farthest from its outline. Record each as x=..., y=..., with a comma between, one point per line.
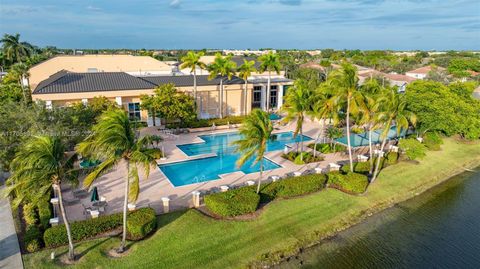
x=191, y=240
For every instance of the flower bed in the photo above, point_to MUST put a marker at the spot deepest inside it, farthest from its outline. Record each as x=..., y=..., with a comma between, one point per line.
x=307, y=157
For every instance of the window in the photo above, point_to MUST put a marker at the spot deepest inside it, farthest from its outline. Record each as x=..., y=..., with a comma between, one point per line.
x=257, y=96
x=285, y=88
x=273, y=98
x=134, y=111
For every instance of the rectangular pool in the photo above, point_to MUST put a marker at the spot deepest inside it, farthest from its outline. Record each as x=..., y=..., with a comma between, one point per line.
x=209, y=168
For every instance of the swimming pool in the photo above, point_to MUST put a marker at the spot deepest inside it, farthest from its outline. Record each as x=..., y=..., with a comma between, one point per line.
x=210, y=168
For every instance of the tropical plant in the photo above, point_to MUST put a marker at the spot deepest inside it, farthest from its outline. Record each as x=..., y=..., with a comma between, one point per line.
x=113, y=141
x=222, y=67
x=192, y=61
x=40, y=165
x=148, y=103
x=344, y=84
x=14, y=49
x=270, y=62
x=245, y=71
x=19, y=71
x=298, y=102
x=393, y=110
x=412, y=148
x=256, y=131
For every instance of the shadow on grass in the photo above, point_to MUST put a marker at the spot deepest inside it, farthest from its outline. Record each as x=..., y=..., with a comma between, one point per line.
x=165, y=219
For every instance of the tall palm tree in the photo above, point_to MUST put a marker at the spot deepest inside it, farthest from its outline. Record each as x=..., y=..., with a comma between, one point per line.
x=270, y=62
x=222, y=67
x=40, y=164
x=20, y=71
x=14, y=49
x=256, y=131
x=393, y=110
x=192, y=61
x=245, y=71
x=322, y=109
x=368, y=117
x=114, y=142
x=298, y=102
x=345, y=84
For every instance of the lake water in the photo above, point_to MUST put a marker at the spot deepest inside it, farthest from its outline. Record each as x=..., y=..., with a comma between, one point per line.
x=438, y=229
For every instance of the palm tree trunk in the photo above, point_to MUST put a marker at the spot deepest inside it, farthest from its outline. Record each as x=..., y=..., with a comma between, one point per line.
x=315, y=145
x=71, y=253
x=125, y=209
x=301, y=143
x=370, y=149
x=261, y=175
x=377, y=166
x=348, y=135
x=268, y=91
x=245, y=98
x=195, y=89
x=221, y=98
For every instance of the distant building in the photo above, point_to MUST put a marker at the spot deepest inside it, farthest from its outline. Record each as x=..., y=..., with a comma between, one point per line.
x=422, y=72
x=247, y=52
x=401, y=81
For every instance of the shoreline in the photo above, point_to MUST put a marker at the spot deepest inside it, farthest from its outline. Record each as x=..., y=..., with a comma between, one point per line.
x=372, y=212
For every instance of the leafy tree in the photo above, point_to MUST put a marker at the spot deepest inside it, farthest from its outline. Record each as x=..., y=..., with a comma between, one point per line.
x=269, y=62
x=192, y=61
x=148, y=103
x=113, y=141
x=438, y=75
x=412, y=148
x=41, y=164
x=223, y=67
x=14, y=49
x=245, y=71
x=256, y=131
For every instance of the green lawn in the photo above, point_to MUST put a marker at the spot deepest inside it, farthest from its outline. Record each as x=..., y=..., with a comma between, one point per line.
x=191, y=240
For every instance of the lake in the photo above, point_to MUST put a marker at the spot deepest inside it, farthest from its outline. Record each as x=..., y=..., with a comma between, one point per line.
x=437, y=229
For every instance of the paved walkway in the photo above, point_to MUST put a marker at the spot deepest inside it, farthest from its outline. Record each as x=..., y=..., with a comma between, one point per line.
x=10, y=257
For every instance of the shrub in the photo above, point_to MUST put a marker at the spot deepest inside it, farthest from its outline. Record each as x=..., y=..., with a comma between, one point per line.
x=293, y=186
x=30, y=214
x=327, y=148
x=358, y=167
x=432, y=141
x=208, y=123
x=412, y=148
x=391, y=158
x=33, y=239
x=141, y=223
x=81, y=230
x=357, y=130
x=234, y=202
x=295, y=157
x=44, y=213
x=350, y=182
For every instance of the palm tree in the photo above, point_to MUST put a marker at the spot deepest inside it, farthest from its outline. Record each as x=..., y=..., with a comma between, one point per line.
x=269, y=62
x=114, y=142
x=20, y=71
x=393, y=110
x=192, y=61
x=223, y=67
x=14, y=49
x=298, y=102
x=256, y=131
x=40, y=164
x=368, y=118
x=245, y=71
x=345, y=84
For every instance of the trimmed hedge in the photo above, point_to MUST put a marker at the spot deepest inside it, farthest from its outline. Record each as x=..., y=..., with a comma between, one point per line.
x=199, y=123
x=141, y=223
x=327, y=148
x=351, y=182
x=44, y=213
x=234, y=202
x=81, y=230
x=33, y=239
x=307, y=157
x=391, y=158
x=30, y=214
x=293, y=186
x=358, y=167
x=432, y=141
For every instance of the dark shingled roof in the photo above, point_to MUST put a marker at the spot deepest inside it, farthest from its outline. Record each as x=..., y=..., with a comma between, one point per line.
x=65, y=82
x=182, y=81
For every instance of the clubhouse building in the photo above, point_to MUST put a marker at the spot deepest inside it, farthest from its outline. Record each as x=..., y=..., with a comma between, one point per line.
x=64, y=80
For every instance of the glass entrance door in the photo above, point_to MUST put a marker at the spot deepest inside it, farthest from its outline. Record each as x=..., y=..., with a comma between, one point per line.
x=273, y=97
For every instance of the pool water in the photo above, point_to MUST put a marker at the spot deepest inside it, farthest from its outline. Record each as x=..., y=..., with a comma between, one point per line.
x=209, y=168
x=275, y=116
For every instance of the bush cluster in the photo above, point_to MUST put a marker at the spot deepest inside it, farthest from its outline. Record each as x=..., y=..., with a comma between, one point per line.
x=358, y=167
x=199, y=123
x=350, y=182
x=432, y=141
x=327, y=148
x=81, y=230
x=30, y=214
x=234, y=202
x=293, y=186
x=391, y=158
x=413, y=148
x=44, y=213
x=33, y=239
x=295, y=157
x=141, y=223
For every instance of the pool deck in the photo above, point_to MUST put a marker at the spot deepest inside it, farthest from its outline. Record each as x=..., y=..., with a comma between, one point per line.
x=157, y=185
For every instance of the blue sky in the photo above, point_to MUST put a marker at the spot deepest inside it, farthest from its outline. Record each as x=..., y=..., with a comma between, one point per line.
x=301, y=24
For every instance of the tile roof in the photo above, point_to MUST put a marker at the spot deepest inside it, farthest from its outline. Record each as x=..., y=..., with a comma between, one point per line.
x=424, y=70
x=187, y=80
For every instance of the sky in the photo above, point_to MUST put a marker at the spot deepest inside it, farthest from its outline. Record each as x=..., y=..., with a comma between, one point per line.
x=253, y=24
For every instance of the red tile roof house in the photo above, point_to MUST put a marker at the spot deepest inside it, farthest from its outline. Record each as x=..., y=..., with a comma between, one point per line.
x=398, y=80
x=422, y=72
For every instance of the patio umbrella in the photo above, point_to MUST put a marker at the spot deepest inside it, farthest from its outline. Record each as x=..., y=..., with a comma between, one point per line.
x=94, y=197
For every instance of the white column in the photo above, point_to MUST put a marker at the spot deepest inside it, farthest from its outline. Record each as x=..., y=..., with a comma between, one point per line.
x=279, y=96
x=85, y=101
x=118, y=100
x=264, y=97
x=48, y=104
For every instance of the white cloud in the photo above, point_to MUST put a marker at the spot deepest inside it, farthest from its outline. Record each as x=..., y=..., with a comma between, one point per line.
x=175, y=3
x=92, y=8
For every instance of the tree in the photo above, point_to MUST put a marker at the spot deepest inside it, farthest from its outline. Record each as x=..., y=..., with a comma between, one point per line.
x=148, y=103
x=298, y=102
x=245, y=71
x=368, y=118
x=15, y=50
x=344, y=82
x=393, y=110
x=18, y=73
x=113, y=141
x=40, y=164
x=327, y=67
x=222, y=67
x=256, y=131
x=269, y=62
x=192, y=61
